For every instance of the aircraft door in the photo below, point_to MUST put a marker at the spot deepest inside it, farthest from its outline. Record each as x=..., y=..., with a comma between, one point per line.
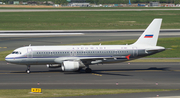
x=73, y=53
x=135, y=51
x=29, y=53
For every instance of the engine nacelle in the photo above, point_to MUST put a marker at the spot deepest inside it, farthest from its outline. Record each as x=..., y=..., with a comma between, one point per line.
x=72, y=65
x=53, y=65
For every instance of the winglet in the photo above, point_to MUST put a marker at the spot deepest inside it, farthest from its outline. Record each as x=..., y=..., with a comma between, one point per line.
x=128, y=57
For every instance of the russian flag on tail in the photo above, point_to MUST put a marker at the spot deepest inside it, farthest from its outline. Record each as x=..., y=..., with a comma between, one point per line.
x=148, y=36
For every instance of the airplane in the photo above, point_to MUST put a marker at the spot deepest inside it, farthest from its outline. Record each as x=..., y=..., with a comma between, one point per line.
x=76, y=57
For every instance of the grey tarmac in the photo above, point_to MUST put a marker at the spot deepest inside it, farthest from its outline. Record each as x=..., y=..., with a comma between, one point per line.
x=108, y=76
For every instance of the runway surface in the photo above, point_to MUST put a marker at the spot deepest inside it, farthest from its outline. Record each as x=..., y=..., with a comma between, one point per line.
x=109, y=76
x=11, y=42
x=47, y=10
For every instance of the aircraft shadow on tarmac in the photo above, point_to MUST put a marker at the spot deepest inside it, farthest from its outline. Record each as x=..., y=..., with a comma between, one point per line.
x=96, y=72
x=125, y=70
x=105, y=72
x=102, y=71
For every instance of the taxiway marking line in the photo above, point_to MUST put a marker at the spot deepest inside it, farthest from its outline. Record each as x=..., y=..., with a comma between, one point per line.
x=96, y=74
x=3, y=47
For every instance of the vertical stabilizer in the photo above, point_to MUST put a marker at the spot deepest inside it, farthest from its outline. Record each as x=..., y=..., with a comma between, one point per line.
x=150, y=35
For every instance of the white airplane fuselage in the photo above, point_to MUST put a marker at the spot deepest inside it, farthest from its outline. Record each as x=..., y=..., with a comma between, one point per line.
x=38, y=55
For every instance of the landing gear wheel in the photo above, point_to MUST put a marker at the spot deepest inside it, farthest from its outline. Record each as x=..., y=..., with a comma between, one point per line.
x=27, y=71
x=88, y=70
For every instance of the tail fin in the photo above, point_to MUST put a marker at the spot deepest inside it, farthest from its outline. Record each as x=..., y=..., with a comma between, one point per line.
x=150, y=35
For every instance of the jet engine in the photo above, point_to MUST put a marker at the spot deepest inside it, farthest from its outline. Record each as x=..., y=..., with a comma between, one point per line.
x=72, y=65
x=53, y=65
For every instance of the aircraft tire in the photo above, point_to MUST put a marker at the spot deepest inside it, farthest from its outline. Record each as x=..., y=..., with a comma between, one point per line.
x=27, y=71
x=88, y=70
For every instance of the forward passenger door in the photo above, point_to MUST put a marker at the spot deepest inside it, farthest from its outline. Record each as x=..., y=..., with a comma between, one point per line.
x=29, y=53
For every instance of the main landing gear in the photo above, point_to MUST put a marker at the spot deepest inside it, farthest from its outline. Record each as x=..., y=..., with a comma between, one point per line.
x=88, y=70
x=28, y=69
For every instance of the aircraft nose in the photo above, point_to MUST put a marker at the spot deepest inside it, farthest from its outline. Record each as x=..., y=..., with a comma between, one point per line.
x=7, y=58
x=11, y=59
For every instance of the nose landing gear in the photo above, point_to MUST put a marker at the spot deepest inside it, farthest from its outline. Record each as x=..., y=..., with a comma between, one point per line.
x=28, y=69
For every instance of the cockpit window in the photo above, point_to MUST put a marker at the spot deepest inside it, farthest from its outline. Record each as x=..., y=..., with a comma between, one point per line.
x=16, y=52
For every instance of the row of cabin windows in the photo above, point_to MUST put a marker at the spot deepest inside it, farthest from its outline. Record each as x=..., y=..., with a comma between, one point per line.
x=85, y=52
x=95, y=48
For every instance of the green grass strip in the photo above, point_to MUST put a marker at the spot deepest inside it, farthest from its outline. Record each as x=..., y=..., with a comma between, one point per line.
x=4, y=54
x=155, y=60
x=49, y=93
x=90, y=20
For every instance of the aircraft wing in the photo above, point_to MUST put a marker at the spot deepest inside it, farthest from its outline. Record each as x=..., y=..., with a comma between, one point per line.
x=90, y=59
